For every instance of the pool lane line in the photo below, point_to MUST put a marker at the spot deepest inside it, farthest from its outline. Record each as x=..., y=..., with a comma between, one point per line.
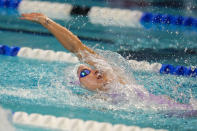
x=64, y=123
x=50, y=55
x=106, y=41
x=119, y=17
x=101, y=15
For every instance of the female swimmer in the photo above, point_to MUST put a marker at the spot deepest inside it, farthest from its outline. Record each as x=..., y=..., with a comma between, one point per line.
x=96, y=77
x=91, y=78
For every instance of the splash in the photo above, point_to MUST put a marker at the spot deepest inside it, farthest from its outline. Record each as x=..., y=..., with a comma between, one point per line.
x=131, y=95
x=57, y=85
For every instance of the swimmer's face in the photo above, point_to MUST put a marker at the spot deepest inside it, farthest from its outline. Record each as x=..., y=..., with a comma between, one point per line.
x=93, y=80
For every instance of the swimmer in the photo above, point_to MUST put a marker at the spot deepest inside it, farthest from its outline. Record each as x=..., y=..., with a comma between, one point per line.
x=92, y=78
x=99, y=74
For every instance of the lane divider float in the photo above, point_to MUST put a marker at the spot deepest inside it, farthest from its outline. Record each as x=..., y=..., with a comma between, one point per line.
x=99, y=15
x=50, y=55
x=63, y=123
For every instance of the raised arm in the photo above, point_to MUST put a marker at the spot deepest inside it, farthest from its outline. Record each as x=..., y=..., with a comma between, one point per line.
x=64, y=36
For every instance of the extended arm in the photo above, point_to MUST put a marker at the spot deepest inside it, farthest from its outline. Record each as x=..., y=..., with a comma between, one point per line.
x=63, y=35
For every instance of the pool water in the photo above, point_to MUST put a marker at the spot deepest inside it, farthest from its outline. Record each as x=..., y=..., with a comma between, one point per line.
x=43, y=87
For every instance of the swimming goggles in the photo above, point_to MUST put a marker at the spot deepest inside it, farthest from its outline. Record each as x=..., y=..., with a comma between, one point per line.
x=84, y=73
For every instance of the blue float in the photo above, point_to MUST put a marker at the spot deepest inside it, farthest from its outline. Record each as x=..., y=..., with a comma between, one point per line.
x=188, y=72
x=157, y=18
x=6, y=50
x=14, y=51
x=189, y=21
x=194, y=73
x=167, y=19
x=178, y=20
x=178, y=70
x=146, y=17
x=166, y=69
x=9, y=3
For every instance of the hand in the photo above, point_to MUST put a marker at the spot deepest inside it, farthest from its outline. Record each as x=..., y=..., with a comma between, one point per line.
x=35, y=17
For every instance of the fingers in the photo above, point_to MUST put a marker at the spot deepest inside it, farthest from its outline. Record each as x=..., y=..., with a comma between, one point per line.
x=31, y=16
x=35, y=17
x=26, y=15
x=26, y=18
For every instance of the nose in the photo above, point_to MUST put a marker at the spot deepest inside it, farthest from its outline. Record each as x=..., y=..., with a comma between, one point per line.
x=98, y=74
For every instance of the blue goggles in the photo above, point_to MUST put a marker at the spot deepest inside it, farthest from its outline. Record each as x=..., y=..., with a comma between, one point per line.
x=84, y=73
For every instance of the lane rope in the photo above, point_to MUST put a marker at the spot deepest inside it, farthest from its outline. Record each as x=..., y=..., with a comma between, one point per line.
x=50, y=55
x=99, y=15
x=63, y=123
